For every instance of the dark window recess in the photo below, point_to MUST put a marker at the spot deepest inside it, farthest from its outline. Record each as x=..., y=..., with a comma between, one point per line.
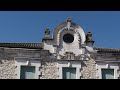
x=68, y=38
x=27, y=72
x=107, y=73
x=69, y=73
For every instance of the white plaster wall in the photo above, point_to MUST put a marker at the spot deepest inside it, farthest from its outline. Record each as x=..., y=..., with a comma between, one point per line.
x=70, y=47
x=49, y=47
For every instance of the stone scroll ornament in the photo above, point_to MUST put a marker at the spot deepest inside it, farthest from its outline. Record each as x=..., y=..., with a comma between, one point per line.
x=71, y=56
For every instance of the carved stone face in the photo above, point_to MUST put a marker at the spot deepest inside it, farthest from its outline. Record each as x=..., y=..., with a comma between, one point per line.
x=68, y=38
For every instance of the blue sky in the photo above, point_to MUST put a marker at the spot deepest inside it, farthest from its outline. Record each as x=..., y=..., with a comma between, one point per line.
x=29, y=26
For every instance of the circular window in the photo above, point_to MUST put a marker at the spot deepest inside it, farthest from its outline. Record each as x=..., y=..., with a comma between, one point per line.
x=68, y=38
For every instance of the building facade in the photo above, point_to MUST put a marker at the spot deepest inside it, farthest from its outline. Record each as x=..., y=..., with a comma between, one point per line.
x=69, y=54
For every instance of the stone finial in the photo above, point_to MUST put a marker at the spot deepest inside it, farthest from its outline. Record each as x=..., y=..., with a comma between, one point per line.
x=89, y=40
x=89, y=36
x=47, y=33
x=68, y=23
x=69, y=19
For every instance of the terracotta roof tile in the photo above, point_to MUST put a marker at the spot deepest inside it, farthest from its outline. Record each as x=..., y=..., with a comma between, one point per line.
x=107, y=50
x=23, y=45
